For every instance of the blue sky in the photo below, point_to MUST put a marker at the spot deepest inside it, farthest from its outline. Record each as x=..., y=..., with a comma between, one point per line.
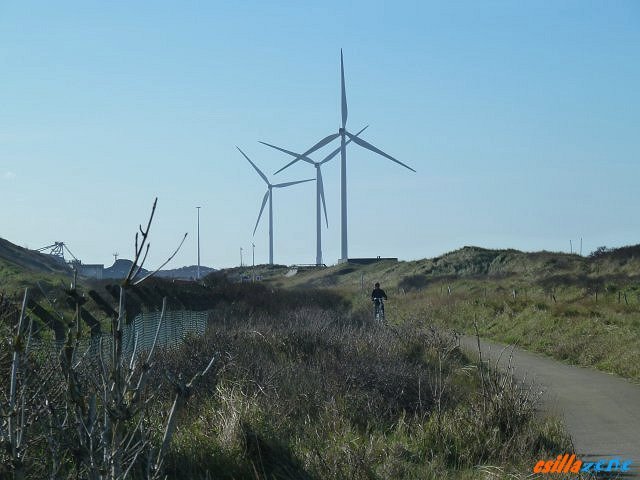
x=521, y=119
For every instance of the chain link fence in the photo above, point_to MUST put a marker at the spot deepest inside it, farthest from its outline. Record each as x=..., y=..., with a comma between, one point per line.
x=137, y=336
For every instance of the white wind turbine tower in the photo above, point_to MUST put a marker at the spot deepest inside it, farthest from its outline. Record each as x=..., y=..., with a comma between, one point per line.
x=269, y=195
x=343, y=134
x=319, y=189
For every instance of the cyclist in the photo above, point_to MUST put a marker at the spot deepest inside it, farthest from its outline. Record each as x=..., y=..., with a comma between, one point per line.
x=377, y=295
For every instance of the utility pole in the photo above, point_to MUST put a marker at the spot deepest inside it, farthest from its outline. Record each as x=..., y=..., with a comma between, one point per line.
x=253, y=260
x=198, y=273
x=241, y=256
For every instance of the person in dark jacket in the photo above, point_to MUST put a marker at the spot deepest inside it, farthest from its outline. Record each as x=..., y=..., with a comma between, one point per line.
x=377, y=295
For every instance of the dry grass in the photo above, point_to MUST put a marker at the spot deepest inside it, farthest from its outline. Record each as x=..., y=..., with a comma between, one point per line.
x=320, y=393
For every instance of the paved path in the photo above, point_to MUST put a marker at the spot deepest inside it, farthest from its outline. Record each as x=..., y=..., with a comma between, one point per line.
x=601, y=411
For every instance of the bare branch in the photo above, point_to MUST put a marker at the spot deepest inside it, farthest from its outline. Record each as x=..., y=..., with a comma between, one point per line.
x=142, y=262
x=161, y=266
x=145, y=235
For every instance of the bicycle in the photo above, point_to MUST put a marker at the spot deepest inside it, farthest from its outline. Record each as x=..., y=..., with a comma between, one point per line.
x=378, y=310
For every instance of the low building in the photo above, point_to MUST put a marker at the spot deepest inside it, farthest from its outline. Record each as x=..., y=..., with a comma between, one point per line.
x=93, y=271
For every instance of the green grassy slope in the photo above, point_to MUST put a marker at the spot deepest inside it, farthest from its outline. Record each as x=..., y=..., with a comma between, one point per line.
x=29, y=259
x=21, y=268
x=584, y=310
x=619, y=265
x=306, y=387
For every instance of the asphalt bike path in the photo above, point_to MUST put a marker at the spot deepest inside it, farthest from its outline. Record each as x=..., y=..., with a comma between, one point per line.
x=600, y=411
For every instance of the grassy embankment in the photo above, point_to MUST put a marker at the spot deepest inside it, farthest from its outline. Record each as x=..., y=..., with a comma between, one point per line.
x=582, y=310
x=14, y=279
x=319, y=392
x=45, y=287
x=305, y=387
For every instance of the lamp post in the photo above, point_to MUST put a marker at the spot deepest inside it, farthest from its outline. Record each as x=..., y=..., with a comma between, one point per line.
x=198, y=271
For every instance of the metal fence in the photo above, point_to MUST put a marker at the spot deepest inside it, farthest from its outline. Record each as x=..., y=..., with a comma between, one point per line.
x=138, y=335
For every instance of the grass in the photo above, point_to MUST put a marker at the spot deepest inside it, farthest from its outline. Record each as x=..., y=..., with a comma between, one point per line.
x=581, y=310
x=319, y=392
x=14, y=279
x=306, y=387
x=572, y=328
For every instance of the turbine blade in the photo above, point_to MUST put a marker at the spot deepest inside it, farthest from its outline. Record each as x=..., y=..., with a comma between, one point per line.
x=320, y=144
x=288, y=165
x=363, y=129
x=337, y=150
x=324, y=204
x=254, y=165
x=264, y=202
x=289, y=152
x=368, y=146
x=288, y=184
x=344, y=93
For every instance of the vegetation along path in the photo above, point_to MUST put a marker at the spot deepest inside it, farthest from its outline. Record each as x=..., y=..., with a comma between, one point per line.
x=601, y=411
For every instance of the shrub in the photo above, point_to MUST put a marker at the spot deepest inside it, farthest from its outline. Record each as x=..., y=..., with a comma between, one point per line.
x=413, y=282
x=317, y=393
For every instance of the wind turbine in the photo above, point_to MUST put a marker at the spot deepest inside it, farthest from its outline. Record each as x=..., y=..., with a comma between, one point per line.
x=269, y=196
x=343, y=134
x=319, y=189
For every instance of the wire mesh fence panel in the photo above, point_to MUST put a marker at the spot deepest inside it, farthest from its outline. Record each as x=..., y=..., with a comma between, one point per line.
x=137, y=336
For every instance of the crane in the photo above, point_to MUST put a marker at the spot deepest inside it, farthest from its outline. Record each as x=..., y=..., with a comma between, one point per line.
x=57, y=249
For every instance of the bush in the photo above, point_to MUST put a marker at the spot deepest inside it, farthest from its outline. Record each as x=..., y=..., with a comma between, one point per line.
x=413, y=282
x=318, y=393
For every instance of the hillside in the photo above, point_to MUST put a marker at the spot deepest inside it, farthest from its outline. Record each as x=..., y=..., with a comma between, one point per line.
x=302, y=385
x=21, y=268
x=14, y=256
x=545, y=268
x=583, y=310
x=22, y=260
x=186, y=273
